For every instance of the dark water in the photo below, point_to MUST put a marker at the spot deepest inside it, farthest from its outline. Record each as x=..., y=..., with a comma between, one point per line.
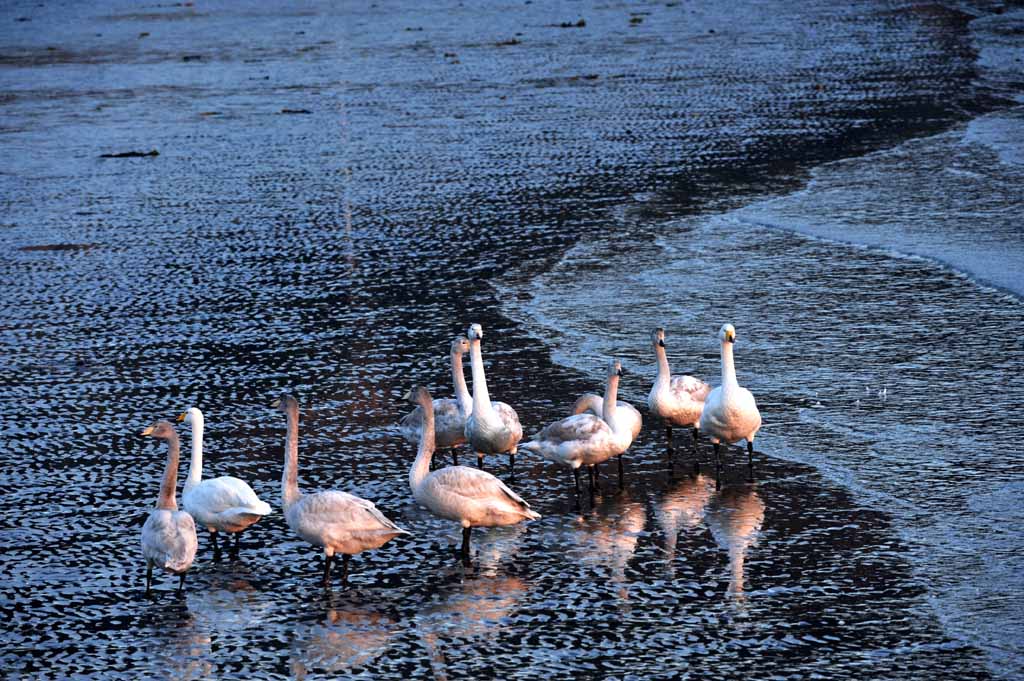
x=450, y=157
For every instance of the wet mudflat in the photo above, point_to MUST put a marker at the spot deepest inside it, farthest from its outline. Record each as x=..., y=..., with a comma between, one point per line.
x=447, y=158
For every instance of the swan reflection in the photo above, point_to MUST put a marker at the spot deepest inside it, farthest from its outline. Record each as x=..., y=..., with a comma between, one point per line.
x=683, y=508
x=182, y=645
x=608, y=535
x=350, y=636
x=734, y=516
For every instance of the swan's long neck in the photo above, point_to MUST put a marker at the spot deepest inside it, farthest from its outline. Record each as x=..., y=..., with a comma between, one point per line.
x=169, y=484
x=461, y=391
x=611, y=394
x=290, y=478
x=728, y=368
x=481, y=400
x=195, y=466
x=421, y=466
x=664, y=374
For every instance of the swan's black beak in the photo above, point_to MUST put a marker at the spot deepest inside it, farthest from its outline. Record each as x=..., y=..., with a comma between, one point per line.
x=661, y=342
x=620, y=373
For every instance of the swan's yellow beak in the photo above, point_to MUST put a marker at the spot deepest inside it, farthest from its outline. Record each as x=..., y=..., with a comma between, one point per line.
x=181, y=417
x=730, y=336
x=275, y=404
x=147, y=431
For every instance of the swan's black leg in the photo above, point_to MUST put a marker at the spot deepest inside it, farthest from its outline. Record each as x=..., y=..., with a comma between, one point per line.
x=592, y=476
x=344, y=568
x=327, y=569
x=718, y=467
x=668, y=435
x=181, y=582
x=512, y=465
x=576, y=479
x=455, y=456
x=479, y=460
x=750, y=461
x=622, y=480
x=149, y=576
x=216, y=545
x=465, y=545
x=696, y=453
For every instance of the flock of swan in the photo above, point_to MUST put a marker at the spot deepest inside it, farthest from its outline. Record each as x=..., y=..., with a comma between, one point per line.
x=600, y=428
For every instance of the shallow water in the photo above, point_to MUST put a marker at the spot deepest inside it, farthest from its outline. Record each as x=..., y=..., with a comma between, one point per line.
x=335, y=253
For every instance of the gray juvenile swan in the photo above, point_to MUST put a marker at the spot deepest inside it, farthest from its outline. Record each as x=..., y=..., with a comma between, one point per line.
x=730, y=412
x=470, y=496
x=491, y=428
x=337, y=521
x=223, y=504
x=676, y=400
x=585, y=439
x=169, y=535
x=449, y=413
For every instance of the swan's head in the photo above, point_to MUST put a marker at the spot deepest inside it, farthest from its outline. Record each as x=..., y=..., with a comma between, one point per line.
x=161, y=430
x=190, y=417
x=285, y=404
x=460, y=345
x=727, y=334
x=615, y=368
x=658, y=337
x=418, y=395
x=476, y=332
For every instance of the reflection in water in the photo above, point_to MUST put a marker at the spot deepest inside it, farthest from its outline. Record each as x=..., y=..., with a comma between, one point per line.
x=229, y=600
x=735, y=515
x=609, y=535
x=181, y=645
x=349, y=637
x=683, y=507
x=474, y=605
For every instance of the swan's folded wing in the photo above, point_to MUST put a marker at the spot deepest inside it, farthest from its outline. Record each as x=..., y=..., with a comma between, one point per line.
x=578, y=427
x=217, y=495
x=510, y=418
x=689, y=386
x=346, y=510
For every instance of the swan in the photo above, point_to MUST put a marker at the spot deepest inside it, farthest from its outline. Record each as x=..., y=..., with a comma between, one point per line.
x=624, y=411
x=168, y=535
x=449, y=414
x=223, y=504
x=677, y=400
x=337, y=521
x=730, y=412
x=585, y=439
x=473, y=497
x=491, y=428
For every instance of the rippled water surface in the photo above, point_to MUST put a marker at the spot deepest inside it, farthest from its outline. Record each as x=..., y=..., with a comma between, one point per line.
x=339, y=191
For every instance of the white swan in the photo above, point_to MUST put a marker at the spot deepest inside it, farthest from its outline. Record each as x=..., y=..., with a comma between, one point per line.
x=337, y=521
x=491, y=428
x=585, y=439
x=223, y=504
x=589, y=403
x=169, y=535
x=730, y=412
x=470, y=496
x=676, y=400
x=449, y=413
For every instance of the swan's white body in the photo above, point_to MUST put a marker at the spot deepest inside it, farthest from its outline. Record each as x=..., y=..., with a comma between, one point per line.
x=730, y=412
x=469, y=496
x=677, y=400
x=169, y=540
x=491, y=428
x=224, y=504
x=449, y=413
x=586, y=439
x=625, y=413
x=336, y=521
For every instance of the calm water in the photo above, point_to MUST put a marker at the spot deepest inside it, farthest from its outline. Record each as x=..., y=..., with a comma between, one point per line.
x=568, y=188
